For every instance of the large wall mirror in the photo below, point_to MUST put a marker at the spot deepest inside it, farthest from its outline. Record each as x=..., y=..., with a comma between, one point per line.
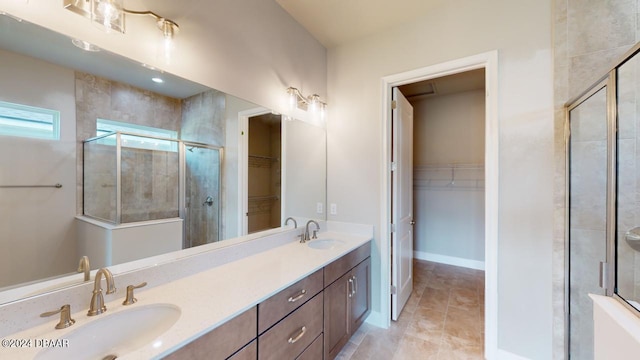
x=103, y=157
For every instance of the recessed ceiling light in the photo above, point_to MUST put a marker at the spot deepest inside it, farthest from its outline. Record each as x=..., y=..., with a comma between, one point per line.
x=157, y=80
x=85, y=45
x=149, y=67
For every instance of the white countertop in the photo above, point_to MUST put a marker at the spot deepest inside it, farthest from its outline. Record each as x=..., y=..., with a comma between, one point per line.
x=209, y=298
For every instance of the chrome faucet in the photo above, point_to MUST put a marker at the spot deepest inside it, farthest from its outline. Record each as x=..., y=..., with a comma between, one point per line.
x=305, y=236
x=83, y=266
x=97, y=301
x=295, y=223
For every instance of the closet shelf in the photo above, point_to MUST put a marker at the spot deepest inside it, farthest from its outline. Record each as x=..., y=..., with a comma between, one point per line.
x=263, y=198
x=262, y=161
x=448, y=177
x=264, y=157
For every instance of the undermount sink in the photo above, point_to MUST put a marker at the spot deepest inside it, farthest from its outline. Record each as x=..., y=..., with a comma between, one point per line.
x=324, y=244
x=116, y=334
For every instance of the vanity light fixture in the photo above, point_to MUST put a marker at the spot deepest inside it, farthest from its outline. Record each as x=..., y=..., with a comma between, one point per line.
x=111, y=15
x=311, y=102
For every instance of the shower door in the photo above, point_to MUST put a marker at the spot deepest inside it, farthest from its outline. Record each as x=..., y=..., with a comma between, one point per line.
x=201, y=194
x=587, y=226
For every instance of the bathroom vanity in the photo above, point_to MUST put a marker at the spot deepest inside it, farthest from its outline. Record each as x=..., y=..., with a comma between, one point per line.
x=267, y=298
x=311, y=319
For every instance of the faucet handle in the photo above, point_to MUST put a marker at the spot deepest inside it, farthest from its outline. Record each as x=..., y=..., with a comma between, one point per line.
x=130, y=299
x=65, y=316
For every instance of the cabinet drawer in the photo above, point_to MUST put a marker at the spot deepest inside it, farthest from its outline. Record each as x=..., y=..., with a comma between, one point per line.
x=288, y=338
x=223, y=341
x=336, y=269
x=314, y=351
x=287, y=300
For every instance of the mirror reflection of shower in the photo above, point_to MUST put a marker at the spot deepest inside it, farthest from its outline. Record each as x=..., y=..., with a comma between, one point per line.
x=202, y=194
x=155, y=178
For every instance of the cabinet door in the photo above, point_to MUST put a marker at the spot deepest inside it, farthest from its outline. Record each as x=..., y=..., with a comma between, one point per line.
x=249, y=352
x=361, y=295
x=336, y=316
x=223, y=341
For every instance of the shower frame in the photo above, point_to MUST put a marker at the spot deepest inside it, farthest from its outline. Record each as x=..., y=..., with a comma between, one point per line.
x=608, y=269
x=182, y=144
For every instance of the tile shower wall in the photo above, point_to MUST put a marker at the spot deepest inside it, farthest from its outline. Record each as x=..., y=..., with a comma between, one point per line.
x=151, y=191
x=105, y=99
x=150, y=184
x=203, y=118
x=588, y=36
x=202, y=167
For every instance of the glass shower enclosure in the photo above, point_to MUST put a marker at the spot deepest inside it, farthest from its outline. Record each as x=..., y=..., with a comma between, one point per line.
x=130, y=178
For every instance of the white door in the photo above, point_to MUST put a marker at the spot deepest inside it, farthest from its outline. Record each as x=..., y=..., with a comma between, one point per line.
x=402, y=203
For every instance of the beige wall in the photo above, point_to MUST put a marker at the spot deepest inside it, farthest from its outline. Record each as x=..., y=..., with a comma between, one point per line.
x=25, y=161
x=521, y=32
x=449, y=130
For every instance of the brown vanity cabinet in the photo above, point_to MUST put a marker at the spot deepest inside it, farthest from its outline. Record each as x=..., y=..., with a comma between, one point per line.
x=309, y=320
x=347, y=301
x=290, y=337
x=224, y=342
x=281, y=304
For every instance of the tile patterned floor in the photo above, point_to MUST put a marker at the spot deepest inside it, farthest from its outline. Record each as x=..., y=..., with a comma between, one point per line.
x=443, y=320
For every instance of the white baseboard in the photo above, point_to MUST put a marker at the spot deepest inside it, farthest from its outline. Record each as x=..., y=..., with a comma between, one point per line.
x=449, y=260
x=505, y=355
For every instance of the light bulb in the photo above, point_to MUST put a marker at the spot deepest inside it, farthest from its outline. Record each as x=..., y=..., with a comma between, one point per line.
x=293, y=98
x=108, y=13
x=168, y=49
x=314, y=101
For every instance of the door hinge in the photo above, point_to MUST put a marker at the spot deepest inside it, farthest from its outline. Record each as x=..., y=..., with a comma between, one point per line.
x=394, y=105
x=393, y=228
x=393, y=166
x=394, y=290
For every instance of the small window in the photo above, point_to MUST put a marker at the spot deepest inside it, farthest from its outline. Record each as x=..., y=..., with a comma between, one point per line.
x=146, y=137
x=28, y=121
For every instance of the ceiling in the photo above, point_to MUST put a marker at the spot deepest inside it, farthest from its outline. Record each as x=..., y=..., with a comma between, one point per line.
x=445, y=85
x=335, y=22
x=32, y=40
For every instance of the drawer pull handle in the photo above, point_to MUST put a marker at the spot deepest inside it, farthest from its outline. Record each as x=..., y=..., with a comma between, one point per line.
x=292, y=340
x=355, y=284
x=350, y=287
x=293, y=299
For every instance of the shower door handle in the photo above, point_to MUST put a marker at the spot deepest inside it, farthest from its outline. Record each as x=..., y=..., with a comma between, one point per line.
x=208, y=201
x=632, y=237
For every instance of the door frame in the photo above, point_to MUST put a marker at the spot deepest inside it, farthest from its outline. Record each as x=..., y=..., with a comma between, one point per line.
x=243, y=165
x=488, y=61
